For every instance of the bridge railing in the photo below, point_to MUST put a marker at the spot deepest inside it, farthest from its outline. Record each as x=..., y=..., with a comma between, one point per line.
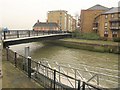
x=27, y=33
x=46, y=76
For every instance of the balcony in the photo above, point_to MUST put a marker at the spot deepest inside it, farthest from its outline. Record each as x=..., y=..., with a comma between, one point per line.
x=115, y=20
x=115, y=27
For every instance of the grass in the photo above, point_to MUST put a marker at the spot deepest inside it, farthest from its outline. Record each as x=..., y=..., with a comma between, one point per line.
x=91, y=41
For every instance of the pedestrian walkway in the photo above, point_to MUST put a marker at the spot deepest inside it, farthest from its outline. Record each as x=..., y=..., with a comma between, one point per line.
x=14, y=78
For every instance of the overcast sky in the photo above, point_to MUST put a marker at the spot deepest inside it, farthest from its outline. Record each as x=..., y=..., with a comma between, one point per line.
x=22, y=14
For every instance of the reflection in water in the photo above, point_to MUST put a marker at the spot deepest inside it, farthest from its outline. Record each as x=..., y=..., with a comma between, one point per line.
x=67, y=55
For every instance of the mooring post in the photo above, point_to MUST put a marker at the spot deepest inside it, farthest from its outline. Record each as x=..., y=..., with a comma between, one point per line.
x=29, y=67
x=15, y=59
x=27, y=53
x=54, y=78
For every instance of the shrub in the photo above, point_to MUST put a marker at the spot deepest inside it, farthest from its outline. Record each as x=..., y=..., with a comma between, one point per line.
x=89, y=36
x=116, y=39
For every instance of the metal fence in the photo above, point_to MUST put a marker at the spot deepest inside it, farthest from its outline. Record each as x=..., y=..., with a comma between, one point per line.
x=27, y=33
x=46, y=76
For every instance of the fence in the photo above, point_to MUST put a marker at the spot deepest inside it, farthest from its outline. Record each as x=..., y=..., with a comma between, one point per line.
x=27, y=33
x=46, y=76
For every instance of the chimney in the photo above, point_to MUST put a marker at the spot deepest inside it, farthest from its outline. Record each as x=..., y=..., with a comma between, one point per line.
x=38, y=21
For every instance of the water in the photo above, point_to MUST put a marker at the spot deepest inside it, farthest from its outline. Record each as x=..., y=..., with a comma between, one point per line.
x=75, y=57
x=67, y=55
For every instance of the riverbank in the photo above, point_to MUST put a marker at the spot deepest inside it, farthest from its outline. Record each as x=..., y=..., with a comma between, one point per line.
x=91, y=45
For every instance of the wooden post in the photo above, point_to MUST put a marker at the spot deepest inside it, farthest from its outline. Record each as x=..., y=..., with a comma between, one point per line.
x=29, y=67
x=15, y=59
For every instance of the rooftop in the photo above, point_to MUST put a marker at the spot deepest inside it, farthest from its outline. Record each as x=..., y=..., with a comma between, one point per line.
x=46, y=24
x=113, y=10
x=98, y=7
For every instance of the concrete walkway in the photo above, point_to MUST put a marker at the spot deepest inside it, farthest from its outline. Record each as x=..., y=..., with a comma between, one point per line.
x=14, y=78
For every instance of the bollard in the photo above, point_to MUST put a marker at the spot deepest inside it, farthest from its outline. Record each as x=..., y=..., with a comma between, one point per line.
x=29, y=67
x=15, y=59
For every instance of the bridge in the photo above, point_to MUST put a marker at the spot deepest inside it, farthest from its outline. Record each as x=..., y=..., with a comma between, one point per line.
x=14, y=37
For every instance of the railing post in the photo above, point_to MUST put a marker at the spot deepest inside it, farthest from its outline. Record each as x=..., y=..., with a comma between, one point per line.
x=78, y=84
x=83, y=86
x=29, y=67
x=7, y=53
x=28, y=33
x=59, y=73
x=75, y=77
x=4, y=35
x=37, y=33
x=15, y=59
x=17, y=34
x=97, y=79
x=54, y=78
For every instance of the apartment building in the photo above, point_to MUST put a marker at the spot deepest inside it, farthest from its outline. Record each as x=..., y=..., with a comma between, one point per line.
x=88, y=16
x=108, y=23
x=65, y=21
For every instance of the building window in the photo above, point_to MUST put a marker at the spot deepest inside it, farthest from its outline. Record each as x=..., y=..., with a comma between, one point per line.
x=106, y=24
x=114, y=34
x=106, y=34
x=112, y=15
x=106, y=16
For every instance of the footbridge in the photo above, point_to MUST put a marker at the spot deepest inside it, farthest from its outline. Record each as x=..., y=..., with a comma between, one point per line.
x=14, y=37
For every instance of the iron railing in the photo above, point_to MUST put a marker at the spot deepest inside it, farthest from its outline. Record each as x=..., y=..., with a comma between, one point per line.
x=46, y=76
x=27, y=33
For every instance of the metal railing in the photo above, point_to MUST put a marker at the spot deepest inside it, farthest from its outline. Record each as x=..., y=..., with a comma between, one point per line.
x=47, y=76
x=27, y=33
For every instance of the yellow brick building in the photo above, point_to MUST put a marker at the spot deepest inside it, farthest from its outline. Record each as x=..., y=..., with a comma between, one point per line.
x=65, y=21
x=87, y=17
x=108, y=23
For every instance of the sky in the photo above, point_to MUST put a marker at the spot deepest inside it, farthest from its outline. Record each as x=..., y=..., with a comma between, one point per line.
x=23, y=14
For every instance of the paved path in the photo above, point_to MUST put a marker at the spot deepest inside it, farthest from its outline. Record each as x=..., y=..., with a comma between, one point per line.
x=14, y=78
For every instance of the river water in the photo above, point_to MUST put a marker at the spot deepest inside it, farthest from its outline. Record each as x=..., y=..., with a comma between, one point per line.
x=74, y=57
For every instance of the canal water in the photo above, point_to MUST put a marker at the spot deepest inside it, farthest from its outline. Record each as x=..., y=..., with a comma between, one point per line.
x=65, y=55
x=74, y=57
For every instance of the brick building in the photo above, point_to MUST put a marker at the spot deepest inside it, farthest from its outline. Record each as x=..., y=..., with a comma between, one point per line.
x=45, y=26
x=87, y=17
x=108, y=23
x=65, y=21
